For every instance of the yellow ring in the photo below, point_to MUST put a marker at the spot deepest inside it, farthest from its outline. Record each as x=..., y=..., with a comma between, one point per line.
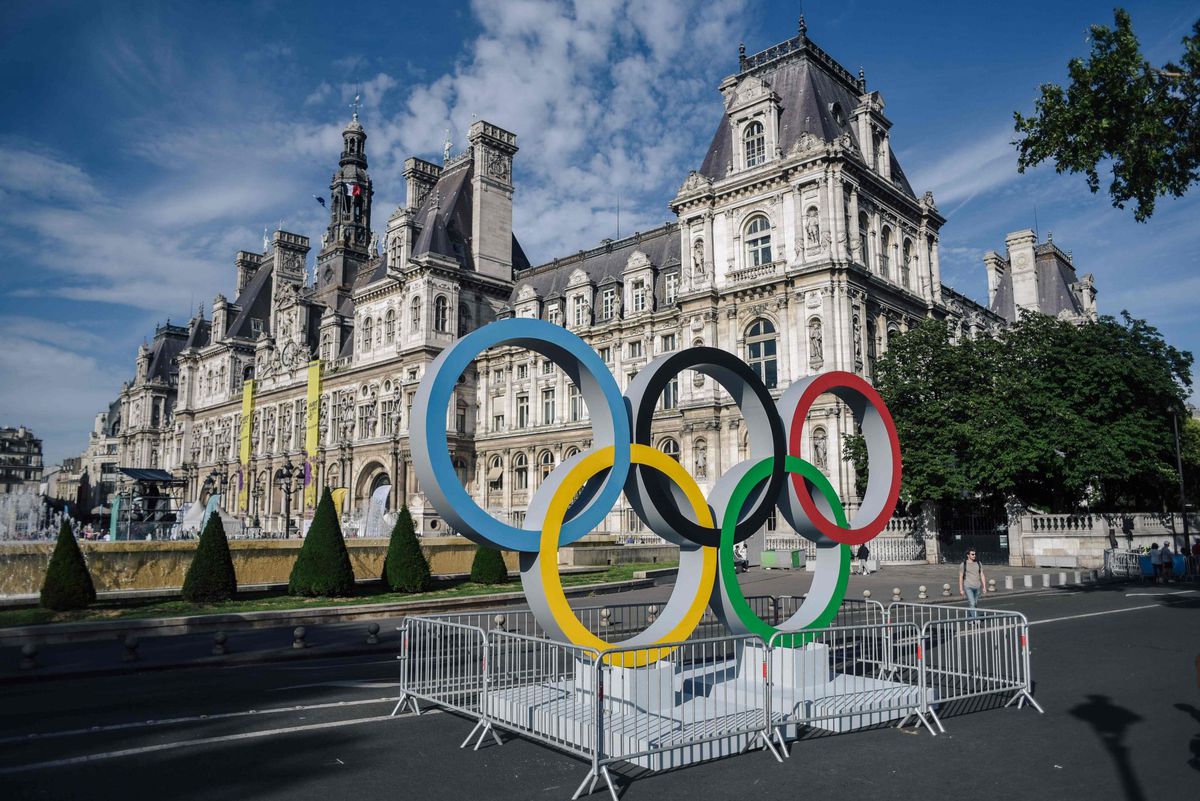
x=564, y=616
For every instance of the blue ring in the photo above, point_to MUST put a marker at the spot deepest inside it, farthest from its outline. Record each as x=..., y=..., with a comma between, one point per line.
x=431, y=450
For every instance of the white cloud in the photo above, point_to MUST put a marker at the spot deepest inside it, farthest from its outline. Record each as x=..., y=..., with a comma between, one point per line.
x=983, y=163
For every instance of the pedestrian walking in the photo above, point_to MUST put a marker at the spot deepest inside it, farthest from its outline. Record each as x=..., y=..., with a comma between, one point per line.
x=971, y=582
x=1167, y=558
x=863, y=554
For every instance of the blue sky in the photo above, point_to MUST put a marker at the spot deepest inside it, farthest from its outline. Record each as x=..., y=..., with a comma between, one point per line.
x=142, y=145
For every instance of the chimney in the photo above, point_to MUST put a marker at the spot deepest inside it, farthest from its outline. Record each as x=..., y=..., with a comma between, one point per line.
x=420, y=176
x=220, y=318
x=996, y=268
x=1023, y=262
x=492, y=150
x=247, y=265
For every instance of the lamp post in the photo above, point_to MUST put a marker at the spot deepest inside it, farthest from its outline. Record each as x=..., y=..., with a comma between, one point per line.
x=347, y=432
x=195, y=467
x=1179, y=467
x=257, y=489
x=394, y=424
x=284, y=478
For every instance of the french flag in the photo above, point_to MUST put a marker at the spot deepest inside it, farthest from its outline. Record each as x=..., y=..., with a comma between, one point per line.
x=353, y=190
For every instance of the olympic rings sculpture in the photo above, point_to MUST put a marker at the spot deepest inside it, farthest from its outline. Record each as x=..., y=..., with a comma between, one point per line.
x=577, y=495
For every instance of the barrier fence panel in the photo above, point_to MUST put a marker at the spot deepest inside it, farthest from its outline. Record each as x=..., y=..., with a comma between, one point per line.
x=971, y=658
x=844, y=678
x=441, y=662
x=920, y=614
x=1123, y=564
x=688, y=702
x=543, y=690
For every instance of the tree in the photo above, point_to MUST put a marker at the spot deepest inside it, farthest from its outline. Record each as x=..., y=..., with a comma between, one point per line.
x=488, y=566
x=1121, y=109
x=68, y=584
x=323, y=566
x=405, y=568
x=210, y=576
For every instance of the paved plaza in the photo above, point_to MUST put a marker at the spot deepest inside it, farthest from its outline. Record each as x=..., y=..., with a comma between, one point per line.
x=1114, y=666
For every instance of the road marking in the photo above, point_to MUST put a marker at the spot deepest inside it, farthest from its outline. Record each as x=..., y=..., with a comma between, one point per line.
x=1155, y=594
x=357, y=685
x=228, y=738
x=192, y=719
x=1096, y=614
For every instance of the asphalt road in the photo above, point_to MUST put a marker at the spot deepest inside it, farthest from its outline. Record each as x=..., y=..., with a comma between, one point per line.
x=1115, y=668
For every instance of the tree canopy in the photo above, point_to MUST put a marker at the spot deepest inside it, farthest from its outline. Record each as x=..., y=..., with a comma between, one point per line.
x=1120, y=109
x=1053, y=413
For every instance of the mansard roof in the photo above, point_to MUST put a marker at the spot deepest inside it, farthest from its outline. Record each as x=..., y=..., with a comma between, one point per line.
x=809, y=82
x=604, y=264
x=254, y=302
x=1056, y=281
x=169, y=340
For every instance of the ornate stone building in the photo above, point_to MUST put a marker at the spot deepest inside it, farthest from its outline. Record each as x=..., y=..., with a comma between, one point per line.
x=798, y=244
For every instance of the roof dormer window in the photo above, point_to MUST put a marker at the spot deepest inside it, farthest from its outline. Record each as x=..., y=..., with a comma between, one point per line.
x=754, y=142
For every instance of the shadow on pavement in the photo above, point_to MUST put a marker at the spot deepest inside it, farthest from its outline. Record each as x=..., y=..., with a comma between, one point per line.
x=1110, y=723
x=1194, y=745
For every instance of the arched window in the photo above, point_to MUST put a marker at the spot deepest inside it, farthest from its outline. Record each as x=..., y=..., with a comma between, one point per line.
x=670, y=447
x=864, y=239
x=545, y=465
x=415, y=314
x=761, y=351
x=389, y=327
x=885, y=253
x=755, y=144
x=326, y=346
x=366, y=334
x=441, y=315
x=495, y=476
x=464, y=319
x=520, y=472
x=758, y=241
x=906, y=265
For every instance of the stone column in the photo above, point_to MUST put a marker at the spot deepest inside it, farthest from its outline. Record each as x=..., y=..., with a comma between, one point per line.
x=853, y=234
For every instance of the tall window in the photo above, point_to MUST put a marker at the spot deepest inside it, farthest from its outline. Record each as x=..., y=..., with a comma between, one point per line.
x=760, y=351
x=864, y=239
x=520, y=465
x=667, y=343
x=545, y=464
x=495, y=474
x=670, y=447
x=580, y=310
x=554, y=314
x=755, y=144
x=547, y=406
x=441, y=315
x=578, y=409
x=885, y=253
x=460, y=418
x=906, y=265
x=464, y=319
x=758, y=241
x=366, y=333
x=608, y=303
x=389, y=326
x=522, y=411
x=670, y=396
x=414, y=314
x=671, y=288
x=635, y=349
x=639, y=295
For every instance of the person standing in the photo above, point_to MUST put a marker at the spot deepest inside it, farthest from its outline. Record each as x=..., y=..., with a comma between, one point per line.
x=971, y=582
x=863, y=554
x=1168, y=561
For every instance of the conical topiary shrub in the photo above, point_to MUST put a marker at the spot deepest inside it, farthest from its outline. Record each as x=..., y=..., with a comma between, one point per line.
x=405, y=568
x=68, y=583
x=210, y=576
x=488, y=566
x=323, y=566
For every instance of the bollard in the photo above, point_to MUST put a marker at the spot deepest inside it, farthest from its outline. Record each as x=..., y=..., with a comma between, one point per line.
x=498, y=622
x=372, y=634
x=895, y=593
x=1008, y=582
x=28, y=656
x=652, y=613
x=605, y=614
x=1095, y=575
x=991, y=586
x=1045, y=579
x=219, y=648
x=921, y=593
x=945, y=590
x=131, y=645
x=1062, y=578
x=298, y=635
x=867, y=594
x=1029, y=582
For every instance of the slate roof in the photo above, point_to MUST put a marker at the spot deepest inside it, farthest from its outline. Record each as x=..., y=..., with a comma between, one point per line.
x=169, y=340
x=808, y=82
x=254, y=302
x=1055, y=282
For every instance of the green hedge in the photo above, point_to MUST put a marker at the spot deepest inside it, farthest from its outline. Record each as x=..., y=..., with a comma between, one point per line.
x=68, y=583
x=488, y=566
x=405, y=568
x=323, y=566
x=210, y=576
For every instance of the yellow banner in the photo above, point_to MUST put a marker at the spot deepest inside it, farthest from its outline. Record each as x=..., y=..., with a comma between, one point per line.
x=312, y=422
x=339, y=497
x=243, y=503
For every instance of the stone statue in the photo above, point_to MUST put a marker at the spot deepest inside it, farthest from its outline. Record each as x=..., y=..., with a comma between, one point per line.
x=701, y=469
x=820, y=448
x=812, y=227
x=816, y=350
x=374, y=246
x=698, y=259
x=856, y=333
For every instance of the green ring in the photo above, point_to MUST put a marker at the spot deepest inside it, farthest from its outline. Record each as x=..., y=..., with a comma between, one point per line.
x=728, y=569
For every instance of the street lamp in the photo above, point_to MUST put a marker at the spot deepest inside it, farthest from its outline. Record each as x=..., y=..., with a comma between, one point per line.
x=1182, y=493
x=284, y=479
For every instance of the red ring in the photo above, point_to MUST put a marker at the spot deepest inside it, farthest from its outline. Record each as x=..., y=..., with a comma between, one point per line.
x=819, y=386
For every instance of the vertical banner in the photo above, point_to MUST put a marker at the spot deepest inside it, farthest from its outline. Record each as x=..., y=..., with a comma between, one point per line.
x=243, y=502
x=312, y=425
x=339, y=497
x=113, y=517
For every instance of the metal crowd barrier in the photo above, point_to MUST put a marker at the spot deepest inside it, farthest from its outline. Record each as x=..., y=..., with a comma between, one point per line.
x=441, y=662
x=1122, y=564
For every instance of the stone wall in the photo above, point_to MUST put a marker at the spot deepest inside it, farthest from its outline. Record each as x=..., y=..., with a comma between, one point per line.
x=593, y=556
x=1081, y=540
x=138, y=565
